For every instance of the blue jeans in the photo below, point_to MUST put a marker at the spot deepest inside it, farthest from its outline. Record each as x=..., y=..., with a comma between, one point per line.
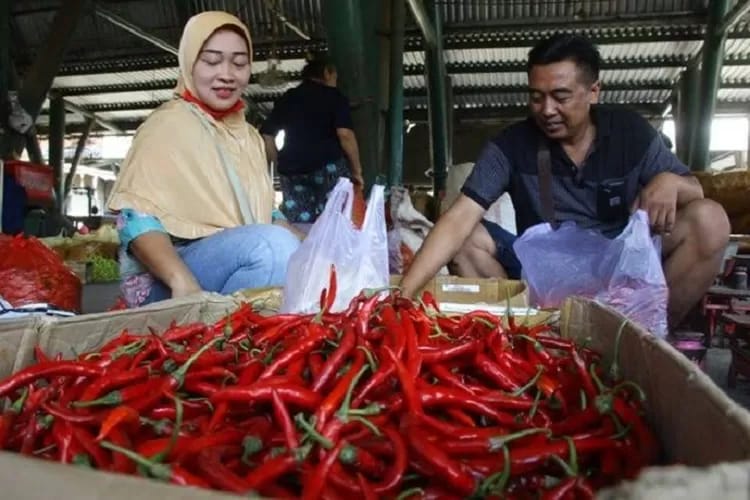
x=253, y=256
x=504, y=252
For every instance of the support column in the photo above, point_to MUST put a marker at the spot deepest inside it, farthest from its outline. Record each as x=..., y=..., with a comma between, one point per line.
x=713, y=51
x=688, y=97
x=56, y=145
x=436, y=93
x=76, y=159
x=396, y=94
x=4, y=68
x=38, y=79
x=353, y=49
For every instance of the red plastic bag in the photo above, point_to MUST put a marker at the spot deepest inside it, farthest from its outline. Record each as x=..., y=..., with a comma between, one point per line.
x=31, y=272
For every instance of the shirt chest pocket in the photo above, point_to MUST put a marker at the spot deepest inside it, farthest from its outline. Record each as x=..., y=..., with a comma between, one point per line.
x=611, y=199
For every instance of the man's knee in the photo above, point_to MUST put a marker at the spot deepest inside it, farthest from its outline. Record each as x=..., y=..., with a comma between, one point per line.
x=478, y=245
x=706, y=225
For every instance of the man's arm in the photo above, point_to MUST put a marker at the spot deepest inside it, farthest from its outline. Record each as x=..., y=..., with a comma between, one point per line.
x=155, y=251
x=348, y=141
x=442, y=243
x=667, y=187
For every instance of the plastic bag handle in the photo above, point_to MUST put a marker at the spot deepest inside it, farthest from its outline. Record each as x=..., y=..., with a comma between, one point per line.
x=374, y=204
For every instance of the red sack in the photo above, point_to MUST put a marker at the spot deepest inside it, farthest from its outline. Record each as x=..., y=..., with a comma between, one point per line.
x=31, y=272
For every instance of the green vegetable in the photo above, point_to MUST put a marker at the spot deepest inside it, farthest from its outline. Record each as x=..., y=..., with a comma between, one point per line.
x=104, y=269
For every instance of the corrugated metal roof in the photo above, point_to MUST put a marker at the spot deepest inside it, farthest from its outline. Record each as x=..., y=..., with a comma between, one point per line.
x=488, y=44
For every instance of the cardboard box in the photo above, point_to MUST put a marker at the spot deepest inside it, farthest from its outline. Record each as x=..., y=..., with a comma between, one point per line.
x=697, y=423
x=474, y=290
x=458, y=295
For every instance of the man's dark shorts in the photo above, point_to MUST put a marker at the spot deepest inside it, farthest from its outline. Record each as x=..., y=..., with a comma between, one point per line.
x=504, y=244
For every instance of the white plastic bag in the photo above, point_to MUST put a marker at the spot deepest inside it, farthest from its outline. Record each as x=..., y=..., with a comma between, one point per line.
x=359, y=255
x=624, y=272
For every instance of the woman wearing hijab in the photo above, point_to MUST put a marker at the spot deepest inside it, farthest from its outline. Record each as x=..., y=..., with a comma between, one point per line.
x=194, y=196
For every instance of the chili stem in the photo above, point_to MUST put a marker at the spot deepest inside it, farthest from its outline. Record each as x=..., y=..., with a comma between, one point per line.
x=312, y=433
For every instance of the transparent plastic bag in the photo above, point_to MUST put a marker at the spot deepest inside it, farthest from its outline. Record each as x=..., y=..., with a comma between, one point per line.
x=624, y=273
x=359, y=255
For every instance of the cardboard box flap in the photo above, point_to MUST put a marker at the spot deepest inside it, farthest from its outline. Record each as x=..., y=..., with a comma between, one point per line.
x=722, y=481
x=682, y=401
x=17, y=341
x=77, y=334
x=33, y=479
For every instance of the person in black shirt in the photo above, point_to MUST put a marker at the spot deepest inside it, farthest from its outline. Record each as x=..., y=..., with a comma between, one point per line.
x=605, y=162
x=319, y=142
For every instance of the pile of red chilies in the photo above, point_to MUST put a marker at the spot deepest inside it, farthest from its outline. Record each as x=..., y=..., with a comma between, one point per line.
x=388, y=399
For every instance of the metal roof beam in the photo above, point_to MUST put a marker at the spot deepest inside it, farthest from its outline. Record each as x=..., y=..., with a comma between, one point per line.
x=423, y=21
x=133, y=29
x=734, y=16
x=87, y=113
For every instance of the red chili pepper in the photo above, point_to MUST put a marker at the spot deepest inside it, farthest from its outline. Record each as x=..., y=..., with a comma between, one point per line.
x=495, y=374
x=284, y=421
x=332, y=290
x=315, y=481
x=40, y=356
x=363, y=316
x=251, y=372
x=210, y=463
x=432, y=395
x=297, y=396
x=121, y=415
x=461, y=417
x=446, y=470
x=121, y=463
x=124, y=395
x=62, y=435
x=87, y=442
x=279, y=329
x=32, y=373
x=172, y=473
x=184, y=449
x=413, y=356
x=336, y=396
x=393, y=476
x=316, y=334
x=647, y=444
x=406, y=379
x=430, y=356
x=368, y=493
x=32, y=432
x=336, y=360
x=315, y=362
x=71, y=415
x=561, y=490
x=184, y=332
x=362, y=460
x=8, y=419
x=269, y=471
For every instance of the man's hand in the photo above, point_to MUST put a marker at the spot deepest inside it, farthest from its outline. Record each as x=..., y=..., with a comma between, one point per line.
x=659, y=200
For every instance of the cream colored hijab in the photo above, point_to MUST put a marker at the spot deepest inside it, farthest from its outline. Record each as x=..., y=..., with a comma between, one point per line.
x=174, y=170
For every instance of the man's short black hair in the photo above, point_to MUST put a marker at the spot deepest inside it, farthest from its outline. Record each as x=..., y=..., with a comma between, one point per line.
x=567, y=47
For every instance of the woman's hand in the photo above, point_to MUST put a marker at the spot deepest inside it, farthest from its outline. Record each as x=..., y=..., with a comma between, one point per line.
x=183, y=286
